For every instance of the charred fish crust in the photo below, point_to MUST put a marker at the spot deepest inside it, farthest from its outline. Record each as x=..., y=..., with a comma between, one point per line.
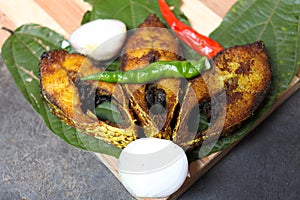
x=153, y=56
x=260, y=98
x=152, y=21
x=231, y=83
x=180, y=57
x=261, y=45
x=101, y=98
x=155, y=96
x=45, y=55
x=205, y=108
x=123, y=61
x=54, y=56
x=86, y=95
x=245, y=68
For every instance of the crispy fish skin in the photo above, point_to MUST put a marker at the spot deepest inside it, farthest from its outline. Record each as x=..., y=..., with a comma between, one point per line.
x=247, y=80
x=59, y=72
x=150, y=43
x=243, y=74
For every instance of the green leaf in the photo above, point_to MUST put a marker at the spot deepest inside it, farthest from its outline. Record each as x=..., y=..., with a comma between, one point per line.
x=21, y=53
x=89, y=1
x=203, y=122
x=277, y=24
x=131, y=12
x=108, y=111
x=180, y=15
x=113, y=66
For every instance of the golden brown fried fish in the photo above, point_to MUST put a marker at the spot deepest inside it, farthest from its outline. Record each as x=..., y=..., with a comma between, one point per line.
x=153, y=103
x=73, y=101
x=239, y=80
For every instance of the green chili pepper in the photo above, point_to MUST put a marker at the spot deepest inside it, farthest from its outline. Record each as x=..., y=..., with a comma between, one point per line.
x=153, y=72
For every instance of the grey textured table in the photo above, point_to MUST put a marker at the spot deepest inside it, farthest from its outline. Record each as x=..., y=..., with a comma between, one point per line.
x=36, y=164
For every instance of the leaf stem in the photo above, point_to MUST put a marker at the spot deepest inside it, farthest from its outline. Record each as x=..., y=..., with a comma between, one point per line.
x=8, y=30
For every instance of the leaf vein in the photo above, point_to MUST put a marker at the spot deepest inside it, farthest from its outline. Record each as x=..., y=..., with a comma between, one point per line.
x=269, y=19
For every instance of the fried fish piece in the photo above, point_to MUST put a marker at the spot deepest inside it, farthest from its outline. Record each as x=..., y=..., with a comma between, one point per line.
x=238, y=80
x=153, y=103
x=73, y=100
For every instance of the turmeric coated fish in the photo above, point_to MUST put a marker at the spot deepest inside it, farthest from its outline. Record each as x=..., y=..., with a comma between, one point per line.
x=228, y=93
x=74, y=101
x=154, y=103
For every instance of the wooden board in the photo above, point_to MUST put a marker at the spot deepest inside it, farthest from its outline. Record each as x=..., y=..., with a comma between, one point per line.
x=65, y=16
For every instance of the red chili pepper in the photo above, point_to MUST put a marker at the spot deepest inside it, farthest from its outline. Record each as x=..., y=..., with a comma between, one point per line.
x=205, y=46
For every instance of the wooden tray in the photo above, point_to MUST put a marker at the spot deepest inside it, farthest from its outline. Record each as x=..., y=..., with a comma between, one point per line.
x=65, y=16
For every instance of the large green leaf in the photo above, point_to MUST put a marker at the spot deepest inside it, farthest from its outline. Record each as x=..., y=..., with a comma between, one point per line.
x=277, y=24
x=21, y=54
x=131, y=12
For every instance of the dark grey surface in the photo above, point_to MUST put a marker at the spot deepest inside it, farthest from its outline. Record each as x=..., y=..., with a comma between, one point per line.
x=36, y=164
